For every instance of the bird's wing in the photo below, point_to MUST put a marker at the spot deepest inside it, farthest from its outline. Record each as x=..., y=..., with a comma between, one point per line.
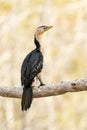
x=24, y=68
x=35, y=65
x=31, y=66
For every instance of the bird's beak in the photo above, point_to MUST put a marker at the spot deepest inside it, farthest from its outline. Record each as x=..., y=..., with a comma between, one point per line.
x=47, y=28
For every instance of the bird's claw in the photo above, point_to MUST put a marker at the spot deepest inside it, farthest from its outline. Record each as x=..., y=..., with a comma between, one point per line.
x=42, y=84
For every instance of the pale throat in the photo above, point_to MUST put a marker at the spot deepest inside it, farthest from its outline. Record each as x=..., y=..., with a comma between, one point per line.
x=39, y=39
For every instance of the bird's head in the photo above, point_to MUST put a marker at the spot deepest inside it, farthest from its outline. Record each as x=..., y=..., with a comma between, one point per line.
x=40, y=31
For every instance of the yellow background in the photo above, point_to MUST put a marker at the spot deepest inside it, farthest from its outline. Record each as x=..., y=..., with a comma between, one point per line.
x=65, y=48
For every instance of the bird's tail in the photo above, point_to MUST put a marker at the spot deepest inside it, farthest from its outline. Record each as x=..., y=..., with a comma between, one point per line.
x=27, y=98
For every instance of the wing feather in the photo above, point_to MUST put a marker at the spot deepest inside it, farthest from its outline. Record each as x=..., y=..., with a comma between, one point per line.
x=31, y=66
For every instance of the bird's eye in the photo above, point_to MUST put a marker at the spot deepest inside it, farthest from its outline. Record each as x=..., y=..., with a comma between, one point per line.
x=44, y=27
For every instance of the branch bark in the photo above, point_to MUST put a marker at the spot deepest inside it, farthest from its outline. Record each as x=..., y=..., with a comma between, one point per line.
x=47, y=90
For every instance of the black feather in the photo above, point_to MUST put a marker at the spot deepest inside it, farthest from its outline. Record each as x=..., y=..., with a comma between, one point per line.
x=32, y=65
x=27, y=98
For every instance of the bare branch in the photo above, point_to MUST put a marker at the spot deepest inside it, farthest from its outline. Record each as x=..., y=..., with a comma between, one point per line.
x=48, y=90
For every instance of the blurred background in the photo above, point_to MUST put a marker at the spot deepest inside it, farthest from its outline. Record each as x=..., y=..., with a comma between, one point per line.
x=65, y=48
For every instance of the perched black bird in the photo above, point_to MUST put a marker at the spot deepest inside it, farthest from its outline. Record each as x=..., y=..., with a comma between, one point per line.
x=31, y=67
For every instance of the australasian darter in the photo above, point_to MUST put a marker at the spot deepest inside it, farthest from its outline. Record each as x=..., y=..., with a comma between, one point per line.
x=31, y=67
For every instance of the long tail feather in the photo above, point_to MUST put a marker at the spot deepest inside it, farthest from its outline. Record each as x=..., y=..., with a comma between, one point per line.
x=27, y=98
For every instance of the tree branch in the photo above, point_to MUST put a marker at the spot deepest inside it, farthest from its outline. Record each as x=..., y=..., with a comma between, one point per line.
x=48, y=90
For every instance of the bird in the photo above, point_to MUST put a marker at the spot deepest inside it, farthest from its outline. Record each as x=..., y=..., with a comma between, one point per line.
x=31, y=67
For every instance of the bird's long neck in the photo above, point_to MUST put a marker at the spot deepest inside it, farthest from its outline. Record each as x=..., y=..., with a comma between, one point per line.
x=37, y=43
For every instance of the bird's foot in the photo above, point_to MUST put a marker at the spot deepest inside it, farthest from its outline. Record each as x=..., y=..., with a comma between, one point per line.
x=42, y=84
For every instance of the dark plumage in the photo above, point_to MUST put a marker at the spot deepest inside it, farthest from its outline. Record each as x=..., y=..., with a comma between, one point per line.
x=31, y=67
